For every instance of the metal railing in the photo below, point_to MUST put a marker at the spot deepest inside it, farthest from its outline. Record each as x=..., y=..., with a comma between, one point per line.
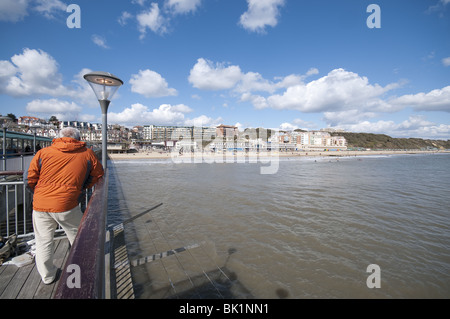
x=16, y=205
x=16, y=162
x=87, y=255
x=15, y=199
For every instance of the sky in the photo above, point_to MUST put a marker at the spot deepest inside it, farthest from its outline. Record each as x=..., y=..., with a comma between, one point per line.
x=378, y=66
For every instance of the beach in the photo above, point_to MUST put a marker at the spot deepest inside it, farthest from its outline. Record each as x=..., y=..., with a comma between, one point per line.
x=240, y=155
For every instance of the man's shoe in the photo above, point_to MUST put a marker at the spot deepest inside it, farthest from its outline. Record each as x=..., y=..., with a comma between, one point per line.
x=57, y=275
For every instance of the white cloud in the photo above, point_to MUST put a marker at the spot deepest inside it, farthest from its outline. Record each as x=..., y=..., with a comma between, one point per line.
x=81, y=90
x=183, y=6
x=86, y=118
x=446, y=61
x=100, y=41
x=439, y=6
x=16, y=10
x=345, y=98
x=252, y=81
x=312, y=71
x=351, y=116
x=7, y=70
x=416, y=126
x=165, y=114
x=288, y=127
x=13, y=10
x=153, y=20
x=261, y=13
x=239, y=126
x=139, y=113
x=35, y=73
x=63, y=110
x=203, y=121
x=336, y=91
x=123, y=19
x=207, y=76
x=139, y=2
x=305, y=124
x=52, y=105
x=358, y=119
x=181, y=108
x=150, y=84
x=298, y=124
x=435, y=100
x=50, y=7
x=259, y=102
x=32, y=72
x=158, y=19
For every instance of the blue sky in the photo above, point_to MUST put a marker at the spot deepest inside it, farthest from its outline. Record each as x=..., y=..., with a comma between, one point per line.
x=280, y=64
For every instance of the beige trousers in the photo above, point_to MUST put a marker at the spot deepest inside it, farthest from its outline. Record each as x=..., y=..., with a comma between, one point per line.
x=45, y=225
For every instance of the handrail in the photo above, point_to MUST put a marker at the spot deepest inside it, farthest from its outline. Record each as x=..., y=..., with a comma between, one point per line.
x=86, y=261
x=11, y=173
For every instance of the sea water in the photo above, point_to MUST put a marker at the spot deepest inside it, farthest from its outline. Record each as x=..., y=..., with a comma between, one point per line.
x=311, y=230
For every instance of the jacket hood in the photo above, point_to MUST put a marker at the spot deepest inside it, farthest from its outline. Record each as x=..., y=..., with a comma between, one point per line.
x=68, y=144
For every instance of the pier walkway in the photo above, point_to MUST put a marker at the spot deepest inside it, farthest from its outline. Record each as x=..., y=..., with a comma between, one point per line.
x=25, y=282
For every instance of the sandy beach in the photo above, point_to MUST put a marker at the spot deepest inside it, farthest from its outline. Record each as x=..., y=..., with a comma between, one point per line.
x=206, y=155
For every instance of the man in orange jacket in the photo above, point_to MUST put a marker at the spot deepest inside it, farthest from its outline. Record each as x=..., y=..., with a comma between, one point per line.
x=57, y=175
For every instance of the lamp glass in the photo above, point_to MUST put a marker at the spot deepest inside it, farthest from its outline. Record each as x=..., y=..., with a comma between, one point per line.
x=103, y=84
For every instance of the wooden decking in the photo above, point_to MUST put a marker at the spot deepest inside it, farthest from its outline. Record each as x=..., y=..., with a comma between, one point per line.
x=25, y=282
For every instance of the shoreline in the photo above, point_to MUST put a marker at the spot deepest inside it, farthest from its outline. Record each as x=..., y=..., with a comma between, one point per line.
x=241, y=155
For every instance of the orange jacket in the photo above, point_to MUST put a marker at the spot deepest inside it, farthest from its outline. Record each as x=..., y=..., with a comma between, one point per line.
x=59, y=173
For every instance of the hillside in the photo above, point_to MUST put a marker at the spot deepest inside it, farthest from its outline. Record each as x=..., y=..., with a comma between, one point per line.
x=382, y=141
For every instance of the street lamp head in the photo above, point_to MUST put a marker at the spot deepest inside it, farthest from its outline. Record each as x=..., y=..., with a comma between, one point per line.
x=104, y=84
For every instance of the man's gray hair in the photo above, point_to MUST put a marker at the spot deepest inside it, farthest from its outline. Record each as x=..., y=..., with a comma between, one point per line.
x=70, y=132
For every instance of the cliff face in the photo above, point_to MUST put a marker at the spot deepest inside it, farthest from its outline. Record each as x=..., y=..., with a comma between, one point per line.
x=382, y=141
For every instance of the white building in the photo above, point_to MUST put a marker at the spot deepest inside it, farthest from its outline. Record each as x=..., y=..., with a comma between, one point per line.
x=320, y=140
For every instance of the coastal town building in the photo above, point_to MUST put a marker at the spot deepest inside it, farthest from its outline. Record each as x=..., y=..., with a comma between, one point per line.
x=160, y=133
x=188, y=138
x=30, y=121
x=227, y=131
x=311, y=140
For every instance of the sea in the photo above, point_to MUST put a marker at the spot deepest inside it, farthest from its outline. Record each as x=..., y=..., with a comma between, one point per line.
x=316, y=227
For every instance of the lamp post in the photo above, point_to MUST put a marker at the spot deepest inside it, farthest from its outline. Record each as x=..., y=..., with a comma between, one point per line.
x=104, y=85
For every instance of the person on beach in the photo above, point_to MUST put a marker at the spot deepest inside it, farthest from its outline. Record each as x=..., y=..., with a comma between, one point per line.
x=57, y=176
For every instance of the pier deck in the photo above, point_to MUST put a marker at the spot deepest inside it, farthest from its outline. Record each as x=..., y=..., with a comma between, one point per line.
x=25, y=282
